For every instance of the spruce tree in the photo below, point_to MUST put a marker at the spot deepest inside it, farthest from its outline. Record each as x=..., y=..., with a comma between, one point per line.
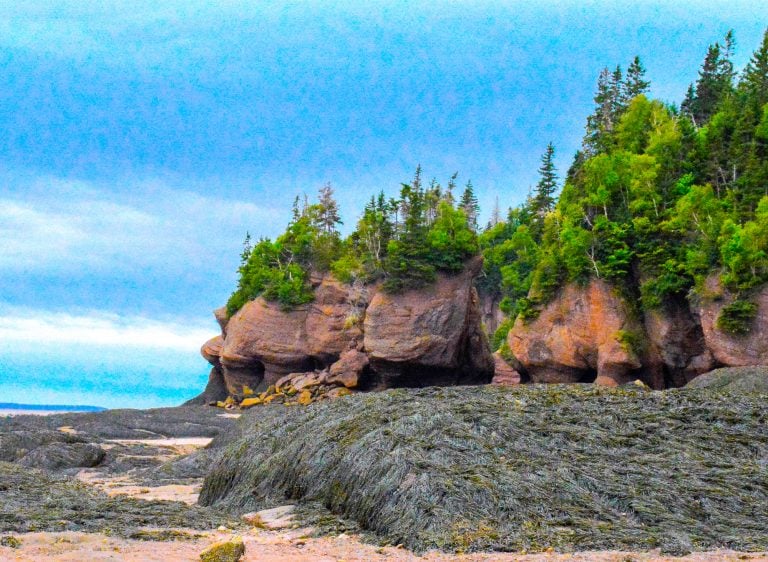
x=635, y=82
x=756, y=75
x=600, y=123
x=617, y=104
x=544, y=194
x=328, y=210
x=470, y=206
x=714, y=83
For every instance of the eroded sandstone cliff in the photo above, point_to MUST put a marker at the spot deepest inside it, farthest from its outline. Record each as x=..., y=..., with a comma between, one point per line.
x=359, y=337
x=593, y=334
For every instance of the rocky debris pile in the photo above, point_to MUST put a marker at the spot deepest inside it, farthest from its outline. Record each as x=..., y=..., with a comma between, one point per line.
x=594, y=334
x=512, y=468
x=295, y=389
x=360, y=336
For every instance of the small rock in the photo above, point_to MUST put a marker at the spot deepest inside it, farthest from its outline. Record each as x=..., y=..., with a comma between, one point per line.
x=305, y=397
x=10, y=541
x=224, y=551
x=276, y=518
x=248, y=402
x=338, y=392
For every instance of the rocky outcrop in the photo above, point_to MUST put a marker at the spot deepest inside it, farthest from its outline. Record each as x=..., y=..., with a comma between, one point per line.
x=583, y=335
x=360, y=337
x=592, y=334
x=429, y=336
x=728, y=349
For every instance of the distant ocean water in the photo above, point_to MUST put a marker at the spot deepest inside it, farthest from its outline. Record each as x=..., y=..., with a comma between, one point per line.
x=108, y=376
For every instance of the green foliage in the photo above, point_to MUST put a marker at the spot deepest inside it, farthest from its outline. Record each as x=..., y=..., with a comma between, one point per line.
x=656, y=201
x=736, y=318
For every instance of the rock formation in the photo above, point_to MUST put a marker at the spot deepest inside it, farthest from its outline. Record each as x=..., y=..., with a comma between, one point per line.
x=358, y=337
x=592, y=334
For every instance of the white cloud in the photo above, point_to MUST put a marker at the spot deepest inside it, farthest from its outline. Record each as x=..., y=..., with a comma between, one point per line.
x=57, y=225
x=48, y=329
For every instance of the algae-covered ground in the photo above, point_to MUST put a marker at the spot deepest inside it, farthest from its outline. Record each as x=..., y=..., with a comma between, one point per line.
x=516, y=468
x=34, y=500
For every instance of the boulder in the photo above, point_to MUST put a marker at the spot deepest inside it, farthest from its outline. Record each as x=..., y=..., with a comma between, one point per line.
x=729, y=349
x=429, y=336
x=224, y=551
x=60, y=456
x=348, y=370
x=734, y=379
x=585, y=334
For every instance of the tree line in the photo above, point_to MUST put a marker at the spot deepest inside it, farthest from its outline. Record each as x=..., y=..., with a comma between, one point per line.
x=657, y=198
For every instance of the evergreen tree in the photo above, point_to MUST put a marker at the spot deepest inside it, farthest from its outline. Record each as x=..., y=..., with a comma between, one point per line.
x=448, y=195
x=470, y=206
x=618, y=101
x=247, y=249
x=635, y=82
x=495, y=214
x=327, y=210
x=756, y=75
x=544, y=194
x=688, y=107
x=600, y=123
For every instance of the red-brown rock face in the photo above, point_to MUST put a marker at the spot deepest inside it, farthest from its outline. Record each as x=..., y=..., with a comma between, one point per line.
x=418, y=338
x=435, y=330
x=590, y=333
x=583, y=335
x=733, y=350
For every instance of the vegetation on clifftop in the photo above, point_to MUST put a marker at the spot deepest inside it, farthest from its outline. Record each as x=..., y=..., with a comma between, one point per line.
x=657, y=199
x=403, y=241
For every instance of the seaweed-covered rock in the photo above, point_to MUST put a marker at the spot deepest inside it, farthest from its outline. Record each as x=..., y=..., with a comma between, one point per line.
x=35, y=500
x=231, y=550
x=18, y=440
x=58, y=456
x=734, y=379
x=526, y=467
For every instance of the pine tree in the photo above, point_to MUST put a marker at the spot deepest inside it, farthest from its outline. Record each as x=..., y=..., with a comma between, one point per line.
x=544, y=195
x=247, y=249
x=496, y=213
x=635, y=82
x=756, y=74
x=470, y=206
x=600, y=123
x=328, y=210
x=618, y=103
x=688, y=107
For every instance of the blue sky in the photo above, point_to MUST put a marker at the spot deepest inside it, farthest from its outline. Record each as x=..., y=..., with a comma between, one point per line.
x=140, y=140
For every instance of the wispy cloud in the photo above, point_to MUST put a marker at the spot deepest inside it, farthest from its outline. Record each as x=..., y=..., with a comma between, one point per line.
x=95, y=329
x=58, y=225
